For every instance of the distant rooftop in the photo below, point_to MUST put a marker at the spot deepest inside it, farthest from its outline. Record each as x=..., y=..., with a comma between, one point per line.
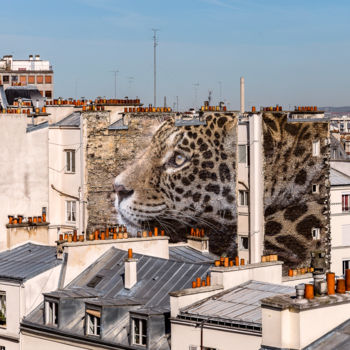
x=72, y=120
x=27, y=261
x=239, y=306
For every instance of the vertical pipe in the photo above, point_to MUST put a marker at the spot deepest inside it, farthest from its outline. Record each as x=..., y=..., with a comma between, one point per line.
x=242, y=95
x=82, y=195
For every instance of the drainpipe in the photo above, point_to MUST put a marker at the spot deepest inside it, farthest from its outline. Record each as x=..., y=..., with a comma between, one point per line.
x=82, y=194
x=201, y=324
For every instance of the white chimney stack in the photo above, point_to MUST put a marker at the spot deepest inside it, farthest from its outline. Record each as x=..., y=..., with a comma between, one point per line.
x=130, y=277
x=242, y=95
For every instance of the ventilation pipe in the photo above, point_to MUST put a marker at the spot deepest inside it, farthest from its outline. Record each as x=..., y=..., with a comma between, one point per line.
x=130, y=277
x=242, y=95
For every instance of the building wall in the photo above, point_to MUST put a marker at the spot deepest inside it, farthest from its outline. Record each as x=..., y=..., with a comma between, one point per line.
x=340, y=229
x=66, y=185
x=23, y=171
x=185, y=336
x=291, y=210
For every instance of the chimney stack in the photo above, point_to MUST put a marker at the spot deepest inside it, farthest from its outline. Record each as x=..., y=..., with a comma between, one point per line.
x=242, y=95
x=130, y=277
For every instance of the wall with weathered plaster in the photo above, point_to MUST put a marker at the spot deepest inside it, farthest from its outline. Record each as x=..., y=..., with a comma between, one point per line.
x=291, y=210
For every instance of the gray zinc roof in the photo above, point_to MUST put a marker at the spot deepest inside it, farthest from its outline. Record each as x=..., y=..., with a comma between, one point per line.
x=27, y=261
x=240, y=304
x=338, y=178
x=156, y=277
x=187, y=254
x=71, y=120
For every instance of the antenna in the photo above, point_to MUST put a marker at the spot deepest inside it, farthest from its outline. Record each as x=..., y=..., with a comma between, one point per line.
x=220, y=90
x=115, y=81
x=177, y=103
x=209, y=97
x=130, y=81
x=196, y=86
x=155, y=44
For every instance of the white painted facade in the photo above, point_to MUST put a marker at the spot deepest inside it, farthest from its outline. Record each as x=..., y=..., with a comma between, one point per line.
x=21, y=299
x=23, y=171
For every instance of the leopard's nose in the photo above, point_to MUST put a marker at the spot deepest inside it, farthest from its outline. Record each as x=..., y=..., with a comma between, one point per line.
x=122, y=192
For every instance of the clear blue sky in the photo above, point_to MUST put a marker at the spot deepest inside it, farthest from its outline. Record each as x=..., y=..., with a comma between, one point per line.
x=291, y=52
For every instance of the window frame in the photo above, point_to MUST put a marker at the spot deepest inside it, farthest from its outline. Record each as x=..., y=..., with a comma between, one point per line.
x=317, y=188
x=243, y=158
x=3, y=308
x=143, y=324
x=93, y=319
x=316, y=148
x=345, y=207
x=51, y=312
x=7, y=79
x=73, y=205
x=38, y=78
x=31, y=79
x=241, y=245
x=318, y=233
x=48, y=79
x=70, y=161
x=243, y=198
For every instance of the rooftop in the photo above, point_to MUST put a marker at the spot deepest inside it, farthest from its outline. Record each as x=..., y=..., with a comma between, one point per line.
x=337, y=178
x=236, y=307
x=27, y=261
x=187, y=254
x=72, y=120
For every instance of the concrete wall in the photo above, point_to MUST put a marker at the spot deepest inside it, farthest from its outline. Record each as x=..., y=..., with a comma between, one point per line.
x=291, y=210
x=340, y=229
x=24, y=171
x=38, y=234
x=184, y=336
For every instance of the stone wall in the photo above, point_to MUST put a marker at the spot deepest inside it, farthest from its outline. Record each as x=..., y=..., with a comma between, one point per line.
x=107, y=154
x=291, y=209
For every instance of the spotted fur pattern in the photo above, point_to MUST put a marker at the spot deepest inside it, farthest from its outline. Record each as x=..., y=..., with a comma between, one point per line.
x=290, y=170
x=185, y=178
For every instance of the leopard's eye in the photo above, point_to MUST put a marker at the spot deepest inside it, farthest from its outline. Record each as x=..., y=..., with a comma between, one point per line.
x=177, y=160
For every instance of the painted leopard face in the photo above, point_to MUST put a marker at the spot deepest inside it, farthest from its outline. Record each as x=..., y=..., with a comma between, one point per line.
x=186, y=177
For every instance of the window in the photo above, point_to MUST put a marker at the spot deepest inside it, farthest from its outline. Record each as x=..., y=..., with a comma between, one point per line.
x=70, y=161
x=334, y=153
x=48, y=94
x=48, y=79
x=346, y=265
x=242, y=154
x=315, y=188
x=244, y=243
x=6, y=79
x=51, y=313
x=2, y=309
x=139, y=327
x=243, y=198
x=31, y=79
x=93, y=322
x=71, y=211
x=14, y=78
x=2, y=347
x=345, y=202
x=316, y=148
x=23, y=79
x=315, y=233
x=39, y=79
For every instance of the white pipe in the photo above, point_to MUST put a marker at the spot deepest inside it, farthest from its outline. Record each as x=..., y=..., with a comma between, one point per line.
x=242, y=108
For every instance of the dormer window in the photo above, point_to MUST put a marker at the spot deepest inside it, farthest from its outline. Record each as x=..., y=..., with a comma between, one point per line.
x=93, y=322
x=139, y=331
x=51, y=312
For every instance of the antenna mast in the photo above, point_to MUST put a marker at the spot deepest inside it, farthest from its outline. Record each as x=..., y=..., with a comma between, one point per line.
x=155, y=44
x=115, y=82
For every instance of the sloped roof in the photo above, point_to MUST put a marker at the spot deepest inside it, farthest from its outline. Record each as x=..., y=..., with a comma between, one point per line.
x=241, y=304
x=337, y=178
x=187, y=254
x=72, y=119
x=27, y=261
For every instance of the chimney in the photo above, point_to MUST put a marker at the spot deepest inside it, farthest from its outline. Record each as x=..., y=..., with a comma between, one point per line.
x=130, y=277
x=37, y=57
x=30, y=57
x=198, y=240
x=242, y=95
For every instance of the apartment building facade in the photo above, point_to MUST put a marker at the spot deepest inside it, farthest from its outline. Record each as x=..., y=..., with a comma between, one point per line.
x=33, y=71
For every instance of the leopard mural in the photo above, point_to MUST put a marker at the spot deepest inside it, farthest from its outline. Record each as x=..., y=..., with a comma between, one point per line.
x=184, y=178
x=296, y=194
